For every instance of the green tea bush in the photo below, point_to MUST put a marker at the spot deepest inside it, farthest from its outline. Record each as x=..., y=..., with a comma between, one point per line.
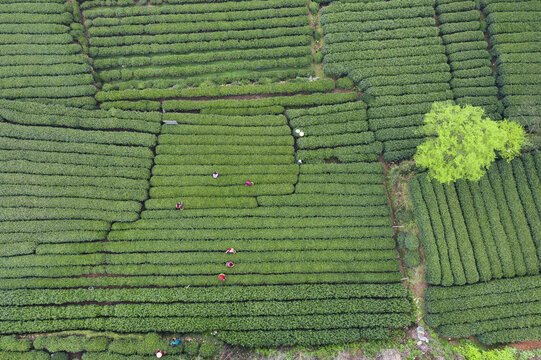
x=412, y=258
x=208, y=350
x=10, y=343
x=192, y=348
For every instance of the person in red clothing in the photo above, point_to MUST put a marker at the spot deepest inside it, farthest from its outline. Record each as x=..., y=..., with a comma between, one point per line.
x=230, y=251
x=180, y=206
x=221, y=277
x=248, y=183
x=230, y=264
x=159, y=353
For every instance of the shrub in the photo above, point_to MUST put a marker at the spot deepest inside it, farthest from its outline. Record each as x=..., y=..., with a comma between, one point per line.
x=97, y=344
x=10, y=343
x=411, y=241
x=412, y=258
x=314, y=7
x=344, y=84
x=191, y=347
x=209, y=350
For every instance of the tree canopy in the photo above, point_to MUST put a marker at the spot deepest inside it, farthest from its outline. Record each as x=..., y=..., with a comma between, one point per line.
x=462, y=142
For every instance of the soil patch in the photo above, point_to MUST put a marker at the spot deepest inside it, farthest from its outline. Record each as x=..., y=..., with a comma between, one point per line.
x=527, y=345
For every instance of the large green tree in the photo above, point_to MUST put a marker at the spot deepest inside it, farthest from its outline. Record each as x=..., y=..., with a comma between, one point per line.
x=462, y=142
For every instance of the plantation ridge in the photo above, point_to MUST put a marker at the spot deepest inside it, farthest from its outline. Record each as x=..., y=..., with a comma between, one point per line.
x=249, y=179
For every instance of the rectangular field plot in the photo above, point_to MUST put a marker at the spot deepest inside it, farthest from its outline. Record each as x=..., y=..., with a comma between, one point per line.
x=481, y=231
x=65, y=176
x=315, y=261
x=187, y=43
x=498, y=311
x=394, y=52
x=487, y=234
x=39, y=60
x=515, y=28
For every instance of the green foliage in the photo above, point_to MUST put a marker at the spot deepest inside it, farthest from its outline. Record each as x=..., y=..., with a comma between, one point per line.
x=411, y=241
x=433, y=270
x=412, y=258
x=344, y=83
x=314, y=8
x=192, y=348
x=10, y=343
x=465, y=142
x=97, y=344
x=208, y=350
x=318, y=57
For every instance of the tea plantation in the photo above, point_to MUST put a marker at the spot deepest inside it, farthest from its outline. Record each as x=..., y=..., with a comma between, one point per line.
x=140, y=140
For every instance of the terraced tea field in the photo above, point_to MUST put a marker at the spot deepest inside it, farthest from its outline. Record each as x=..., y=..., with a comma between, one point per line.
x=115, y=113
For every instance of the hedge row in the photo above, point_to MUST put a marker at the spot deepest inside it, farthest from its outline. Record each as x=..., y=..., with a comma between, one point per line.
x=89, y=192
x=184, y=324
x=474, y=231
x=31, y=39
x=191, y=70
x=69, y=158
x=167, y=270
x=212, y=159
x=54, y=236
x=202, y=294
x=181, y=129
x=291, y=233
x=195, y=280
x=417, y=32
x=507, y=222
x=241, y=49
x=510, y=335
x=27, y=167
x=200, y=8
x=373, y=15
x=190, y=27
x=44, y=65
x=495, y=260
x=185, y=18
x=450, y=237
x=506, y=254
x=73, y=135
x=290, y=101
x=517, y=206
x=207, y=263
x=345, y=154
x=192, y=58
x=301, y=337
x=439, y=236
x=275, y=308
x=207, y=170
x=216, y=192
x=276, y=88
x=75, y=148
x=199, y=37
x=224, y=180
x=373, y=248
x=378, y=44
x=23, y=214
x=433, y=268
